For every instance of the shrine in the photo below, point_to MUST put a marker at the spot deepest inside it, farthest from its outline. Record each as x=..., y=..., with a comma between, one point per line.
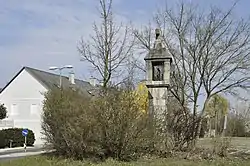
x=158, y=62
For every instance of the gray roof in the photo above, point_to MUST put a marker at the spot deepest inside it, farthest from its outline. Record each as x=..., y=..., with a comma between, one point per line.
x=50, y=80
x=159, y=51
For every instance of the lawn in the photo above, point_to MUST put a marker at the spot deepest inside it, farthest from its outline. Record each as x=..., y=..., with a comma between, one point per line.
x=48, y=161
x=239, y=143
x=236, y=142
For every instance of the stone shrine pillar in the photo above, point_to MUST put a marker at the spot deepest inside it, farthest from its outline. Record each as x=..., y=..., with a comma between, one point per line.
x=158, y=62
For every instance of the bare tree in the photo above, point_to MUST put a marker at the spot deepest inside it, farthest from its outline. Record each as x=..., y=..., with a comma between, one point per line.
x=109, y=46
x=243, y=112
x=144, y=44
x=211, y=53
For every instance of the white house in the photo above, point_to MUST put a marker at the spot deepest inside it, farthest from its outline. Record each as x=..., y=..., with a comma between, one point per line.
x=23, y=97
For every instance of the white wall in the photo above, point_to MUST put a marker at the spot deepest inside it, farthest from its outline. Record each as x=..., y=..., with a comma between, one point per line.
x=6, y=123
x=20, y=95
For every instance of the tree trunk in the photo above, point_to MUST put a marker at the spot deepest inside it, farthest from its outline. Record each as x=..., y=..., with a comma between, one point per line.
x=201, y=118
x=225, y=126
x=209, y=127
x=216, y=123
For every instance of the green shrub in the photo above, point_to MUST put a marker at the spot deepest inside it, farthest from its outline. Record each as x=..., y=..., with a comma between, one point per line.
x=221, y=145
x=108, y=126
x=2, y=140
x=236, y=126
x=3, y=111
x=15, y=134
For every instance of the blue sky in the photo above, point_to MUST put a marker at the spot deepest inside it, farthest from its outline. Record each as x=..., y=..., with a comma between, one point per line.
x=43, y=33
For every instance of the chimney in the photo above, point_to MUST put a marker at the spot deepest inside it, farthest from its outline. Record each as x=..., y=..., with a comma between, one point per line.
x=72, y=77
x=92, y=81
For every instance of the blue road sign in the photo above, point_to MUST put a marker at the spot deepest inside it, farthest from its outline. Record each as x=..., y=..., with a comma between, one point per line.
x=25, y=132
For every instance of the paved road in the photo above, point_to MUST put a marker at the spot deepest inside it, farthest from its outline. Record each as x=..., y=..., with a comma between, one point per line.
x=19, y=153
x=21, y=150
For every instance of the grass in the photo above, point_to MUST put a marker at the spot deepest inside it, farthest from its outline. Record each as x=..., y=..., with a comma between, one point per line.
x=49, y=161
x=236, y=142
x=42, y=160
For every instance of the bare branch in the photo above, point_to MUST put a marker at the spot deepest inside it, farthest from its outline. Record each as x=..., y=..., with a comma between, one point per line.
x=109, y=46
x=211, y=52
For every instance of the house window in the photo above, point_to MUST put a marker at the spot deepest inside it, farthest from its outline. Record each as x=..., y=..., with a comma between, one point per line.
x=14, y=109
x=158, y=71
x=33, y=109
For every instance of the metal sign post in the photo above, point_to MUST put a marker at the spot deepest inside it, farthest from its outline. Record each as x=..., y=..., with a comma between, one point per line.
x=25, y=133
x=25, y=143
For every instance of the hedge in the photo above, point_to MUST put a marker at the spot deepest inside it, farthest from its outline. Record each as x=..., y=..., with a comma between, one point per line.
x=15, y=134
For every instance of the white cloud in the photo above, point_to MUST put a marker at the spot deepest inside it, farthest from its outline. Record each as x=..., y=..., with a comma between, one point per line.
x=48, y=31
x=52, y=44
